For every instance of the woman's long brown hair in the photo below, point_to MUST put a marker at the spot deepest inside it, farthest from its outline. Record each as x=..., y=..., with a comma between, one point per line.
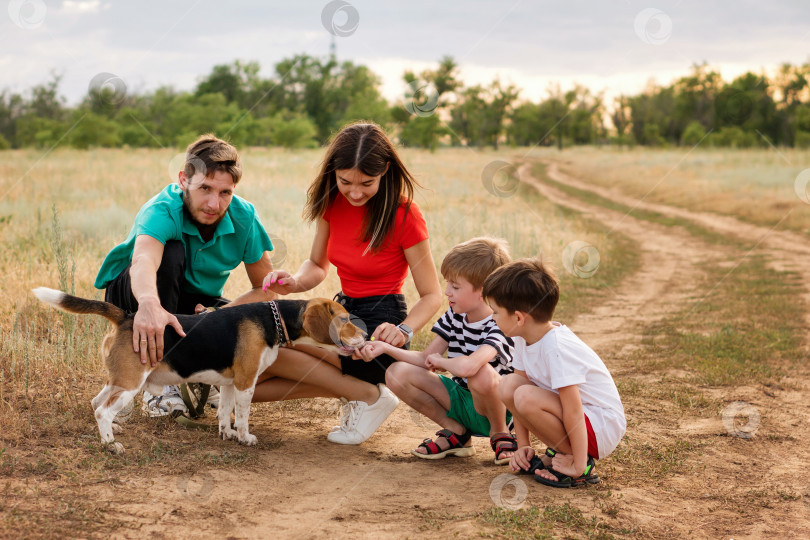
x=366, y=147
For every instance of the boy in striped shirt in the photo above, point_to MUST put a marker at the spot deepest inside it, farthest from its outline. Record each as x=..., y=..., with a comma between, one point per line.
x=478, y=355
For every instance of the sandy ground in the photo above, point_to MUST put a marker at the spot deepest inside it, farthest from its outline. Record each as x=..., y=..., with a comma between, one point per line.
x=309, y=488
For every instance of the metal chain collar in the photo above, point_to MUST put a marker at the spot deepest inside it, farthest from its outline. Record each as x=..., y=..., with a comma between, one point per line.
x=281, y=330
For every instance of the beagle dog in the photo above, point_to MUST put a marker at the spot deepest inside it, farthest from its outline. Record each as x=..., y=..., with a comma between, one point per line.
x=228, y=347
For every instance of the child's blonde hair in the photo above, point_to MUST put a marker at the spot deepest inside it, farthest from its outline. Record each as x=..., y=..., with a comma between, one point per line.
x=475, y=260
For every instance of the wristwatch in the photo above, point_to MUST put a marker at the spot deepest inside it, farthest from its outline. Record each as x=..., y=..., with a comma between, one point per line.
x=407, y=330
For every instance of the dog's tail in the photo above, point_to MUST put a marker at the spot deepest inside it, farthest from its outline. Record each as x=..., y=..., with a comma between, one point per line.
x=74, y=304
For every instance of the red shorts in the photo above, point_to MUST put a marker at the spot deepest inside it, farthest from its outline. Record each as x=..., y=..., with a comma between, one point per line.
x=593, y=449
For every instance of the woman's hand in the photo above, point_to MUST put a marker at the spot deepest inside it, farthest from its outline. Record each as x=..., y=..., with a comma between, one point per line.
x=279, y=281
x=521, y=459
x=389, y=333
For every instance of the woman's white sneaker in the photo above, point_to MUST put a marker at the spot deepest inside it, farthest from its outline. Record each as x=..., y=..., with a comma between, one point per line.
x=344, y=413
x=361, y=420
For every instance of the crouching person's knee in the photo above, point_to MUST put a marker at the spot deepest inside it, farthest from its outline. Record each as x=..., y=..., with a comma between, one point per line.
x=523, y=401
x=486, y=381
x=507, y=387
x=395, y=376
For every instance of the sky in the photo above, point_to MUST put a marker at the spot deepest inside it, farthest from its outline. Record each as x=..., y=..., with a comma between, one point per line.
x=609, y=46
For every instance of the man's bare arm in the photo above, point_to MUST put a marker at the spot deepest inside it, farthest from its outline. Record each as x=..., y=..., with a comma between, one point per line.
x=151, y=319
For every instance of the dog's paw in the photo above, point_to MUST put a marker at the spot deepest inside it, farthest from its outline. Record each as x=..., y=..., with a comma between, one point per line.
x=115, y=448
x=248, y=440
x=116, y=428
x=227, y=433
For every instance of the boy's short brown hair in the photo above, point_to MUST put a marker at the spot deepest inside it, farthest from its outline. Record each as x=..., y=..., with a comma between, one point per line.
x=475, y=259
x=525, y=285
x=209, y=154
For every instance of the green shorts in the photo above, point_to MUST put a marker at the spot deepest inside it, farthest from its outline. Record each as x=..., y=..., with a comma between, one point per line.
x=462, y=409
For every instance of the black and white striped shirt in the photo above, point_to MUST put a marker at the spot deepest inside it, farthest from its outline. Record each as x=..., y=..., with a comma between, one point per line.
x=464, y=338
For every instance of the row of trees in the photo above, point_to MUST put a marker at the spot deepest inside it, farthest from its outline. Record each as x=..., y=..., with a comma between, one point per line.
x=749, y=111
x=308, y=98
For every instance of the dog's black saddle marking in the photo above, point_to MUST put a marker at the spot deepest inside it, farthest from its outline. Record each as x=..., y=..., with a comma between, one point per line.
x=211, y=338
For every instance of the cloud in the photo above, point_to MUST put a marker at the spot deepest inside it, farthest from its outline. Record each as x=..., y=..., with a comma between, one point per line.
x=87, y=6
x=530, y=44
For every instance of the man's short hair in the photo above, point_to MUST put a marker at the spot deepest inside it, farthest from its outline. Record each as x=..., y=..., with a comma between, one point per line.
x=475, y=259
x=525, y=285
x=209, y=154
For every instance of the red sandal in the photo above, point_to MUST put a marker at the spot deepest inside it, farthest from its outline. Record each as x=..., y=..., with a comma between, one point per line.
x=456, y=447
x=510, y=446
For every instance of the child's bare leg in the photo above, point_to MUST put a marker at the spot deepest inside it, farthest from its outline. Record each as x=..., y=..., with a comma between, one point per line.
x=484, y=389
x=425, y=392
x=518, y=394
x=540, y=410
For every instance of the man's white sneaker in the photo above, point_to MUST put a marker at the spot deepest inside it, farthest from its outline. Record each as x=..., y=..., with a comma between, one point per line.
x=361, y=420
x=213, y=397
x=165, y=404
x=125, y=413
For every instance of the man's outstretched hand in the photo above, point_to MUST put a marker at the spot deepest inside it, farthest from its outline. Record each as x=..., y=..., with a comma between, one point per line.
x=148, y=327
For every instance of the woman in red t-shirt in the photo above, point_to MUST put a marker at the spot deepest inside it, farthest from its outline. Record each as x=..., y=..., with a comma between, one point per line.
x=370, y=228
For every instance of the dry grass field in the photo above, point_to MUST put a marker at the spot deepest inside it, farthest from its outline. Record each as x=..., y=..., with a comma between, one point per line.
x=693, y=315
x=762, y=186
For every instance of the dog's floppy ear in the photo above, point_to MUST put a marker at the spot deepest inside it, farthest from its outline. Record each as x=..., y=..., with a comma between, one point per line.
x=328, y=324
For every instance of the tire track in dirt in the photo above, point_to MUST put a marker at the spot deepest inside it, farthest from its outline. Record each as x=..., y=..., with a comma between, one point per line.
x=670, y=260
x=786, y=250
x=666, y=273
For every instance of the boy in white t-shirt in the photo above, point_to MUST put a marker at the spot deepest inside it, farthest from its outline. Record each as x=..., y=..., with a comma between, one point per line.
x=478, y=355
x=561, y=390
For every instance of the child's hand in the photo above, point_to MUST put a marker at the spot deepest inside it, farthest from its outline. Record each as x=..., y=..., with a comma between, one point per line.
x=279, y=281
x=434, y=362
x=521, y=458
x=370, y=351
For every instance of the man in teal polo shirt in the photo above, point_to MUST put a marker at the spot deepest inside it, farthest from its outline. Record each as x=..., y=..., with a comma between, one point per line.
x=183, y=246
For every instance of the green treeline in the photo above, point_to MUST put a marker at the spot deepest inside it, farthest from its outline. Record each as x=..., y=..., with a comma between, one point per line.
x=308, y=98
